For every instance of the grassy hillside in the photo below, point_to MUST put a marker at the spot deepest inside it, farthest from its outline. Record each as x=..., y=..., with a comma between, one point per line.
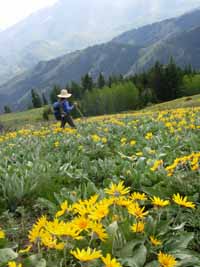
x=126, y=185
x=34, y=116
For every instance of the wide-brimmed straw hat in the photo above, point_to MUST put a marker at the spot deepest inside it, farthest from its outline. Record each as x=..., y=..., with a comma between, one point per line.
x=64, y=94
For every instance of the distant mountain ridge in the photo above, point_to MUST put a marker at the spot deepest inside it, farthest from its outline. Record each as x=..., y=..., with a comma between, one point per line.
x=126, y=54
x=68, y=26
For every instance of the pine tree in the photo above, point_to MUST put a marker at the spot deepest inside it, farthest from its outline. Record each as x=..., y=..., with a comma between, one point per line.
x=7, y=109
x=76, y=90
x=53, y=94
x=44, y=100
x=101, y=81
x=173, y=81
x=36, y=100
x=110, y=81
x=157, y=80
x=87, y=83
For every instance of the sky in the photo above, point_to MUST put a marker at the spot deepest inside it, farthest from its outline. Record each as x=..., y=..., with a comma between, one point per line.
x=12, y=11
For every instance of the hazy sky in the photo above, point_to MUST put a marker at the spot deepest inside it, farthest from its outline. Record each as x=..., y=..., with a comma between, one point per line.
x=11, y=11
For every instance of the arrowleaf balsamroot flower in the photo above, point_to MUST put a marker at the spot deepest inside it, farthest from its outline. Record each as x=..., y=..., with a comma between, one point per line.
x=98, y=231
x=86, y=255
x=138, y=227
x=182, y=201
x=81, y=222
x=138, y=196
x=35, y=232
x=155, y=241
x=14, y=264
x=2, y=234
x=166, y=260
x=117, y=190
x=135, y=210
x=64, y=207
x=110, y=262
x=25, y=250
x=156, y=201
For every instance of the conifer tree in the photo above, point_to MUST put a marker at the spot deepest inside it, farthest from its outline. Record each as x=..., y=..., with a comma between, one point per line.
x=44, y=100
x=87, y=83
x=101, y=81
x=7, y=109
x=36, y=100
x=54, y=92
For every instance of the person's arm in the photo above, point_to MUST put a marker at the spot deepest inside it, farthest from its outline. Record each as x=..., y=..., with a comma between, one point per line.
x=66, y=107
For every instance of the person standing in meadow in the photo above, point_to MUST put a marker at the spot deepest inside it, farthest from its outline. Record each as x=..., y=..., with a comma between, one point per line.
x=62, y=109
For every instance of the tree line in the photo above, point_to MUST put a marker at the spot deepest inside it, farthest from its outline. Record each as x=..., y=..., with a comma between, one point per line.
x=117, y=93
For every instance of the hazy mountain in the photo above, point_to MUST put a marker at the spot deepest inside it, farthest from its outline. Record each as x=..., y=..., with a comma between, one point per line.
x=128, y=53
x=184, y=48
x=109, y=58
x=71, y=25
x=152, y=33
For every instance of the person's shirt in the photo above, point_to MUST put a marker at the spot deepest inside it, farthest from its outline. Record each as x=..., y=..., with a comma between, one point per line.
x=66, y=106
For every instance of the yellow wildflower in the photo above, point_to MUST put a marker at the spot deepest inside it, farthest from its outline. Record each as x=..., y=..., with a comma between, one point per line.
x=156, y=201
x=138, y=227
x=117, y=190
x=95, y=138
x=27, y=249
x=132, y=142
x=99, y=212
x=98, y=231
x=166, y=260
x=154, y=241
x=64, y=207
x=149, y=136
x=34, y=233
x=56, y=144
x=86, y=255
x=138, y=196
x=14, y=264
x=123, y=140
x=157, y=164
x=139, y=154
x=182, y=201
x=2, y=234
x=60, y=246
x=81, y=222
x=110, y=262
x=83, y=207
x=104, y=140
x=135, y=210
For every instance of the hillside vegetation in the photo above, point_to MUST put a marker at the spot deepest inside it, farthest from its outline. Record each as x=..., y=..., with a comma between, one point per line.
x=121, y=190
x=35, y=116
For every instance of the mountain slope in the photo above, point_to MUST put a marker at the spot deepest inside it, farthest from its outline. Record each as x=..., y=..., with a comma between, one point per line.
x=70, y=25
x=140, y=52
x=185, y=49
x=163, y=30
x=108, y=58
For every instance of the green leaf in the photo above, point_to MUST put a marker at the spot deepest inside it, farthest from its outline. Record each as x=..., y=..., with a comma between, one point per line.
x=112, y=228
x=140, y=255
x=36, y=261
x=187, y=258
x=138, y=258
x=152, y=264
x=41, y=263
x=180, y=242
x=128, y=249
x=7, y=254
